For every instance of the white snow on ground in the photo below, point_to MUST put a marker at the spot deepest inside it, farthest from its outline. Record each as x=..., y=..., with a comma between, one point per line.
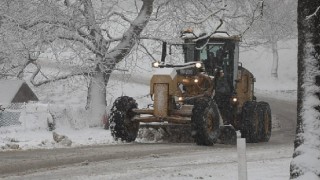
x=258, y=61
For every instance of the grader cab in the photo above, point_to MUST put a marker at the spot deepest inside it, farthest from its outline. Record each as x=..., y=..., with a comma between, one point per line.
x=210, y=92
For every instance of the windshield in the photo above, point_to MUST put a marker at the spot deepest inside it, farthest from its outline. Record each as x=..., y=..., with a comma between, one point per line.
x=218, y=56
x=215, y=56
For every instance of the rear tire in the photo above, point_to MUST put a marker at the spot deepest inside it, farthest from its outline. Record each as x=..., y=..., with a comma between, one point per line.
x=266, y=121
x=121, y=125
x=205, y=122
x=251, y=126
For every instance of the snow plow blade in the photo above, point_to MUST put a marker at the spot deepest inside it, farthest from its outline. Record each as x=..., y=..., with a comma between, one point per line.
x=228, y=135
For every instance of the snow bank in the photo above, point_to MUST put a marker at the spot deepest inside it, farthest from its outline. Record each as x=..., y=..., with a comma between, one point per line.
x=35, y=131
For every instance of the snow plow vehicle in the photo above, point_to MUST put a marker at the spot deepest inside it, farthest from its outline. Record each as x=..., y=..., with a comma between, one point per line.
x=210, y=92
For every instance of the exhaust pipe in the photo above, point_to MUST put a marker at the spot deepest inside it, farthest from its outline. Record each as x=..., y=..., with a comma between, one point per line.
x=164, y=51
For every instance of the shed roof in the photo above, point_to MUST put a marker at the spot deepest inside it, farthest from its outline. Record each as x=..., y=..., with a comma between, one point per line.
x=12, y=91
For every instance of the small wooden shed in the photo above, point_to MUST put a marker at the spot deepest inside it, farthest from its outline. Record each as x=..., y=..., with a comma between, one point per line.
x=13, y=93
x=16, y=91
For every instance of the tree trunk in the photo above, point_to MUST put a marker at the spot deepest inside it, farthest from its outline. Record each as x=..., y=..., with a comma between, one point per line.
x=275, y=62
x=96, y=99
x=306, y=157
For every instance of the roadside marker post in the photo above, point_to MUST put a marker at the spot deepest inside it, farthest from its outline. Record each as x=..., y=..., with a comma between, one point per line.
x=242, y=159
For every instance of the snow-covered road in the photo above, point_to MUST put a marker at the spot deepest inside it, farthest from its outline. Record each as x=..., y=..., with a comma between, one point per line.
x=175, y=161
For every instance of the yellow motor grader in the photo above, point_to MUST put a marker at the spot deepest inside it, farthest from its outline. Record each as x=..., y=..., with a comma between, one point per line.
x=210, y=92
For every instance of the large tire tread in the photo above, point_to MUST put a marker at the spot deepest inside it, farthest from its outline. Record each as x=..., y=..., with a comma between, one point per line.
x=251, y=126
x=266, y=120
x=121, y=126
x=205, y=122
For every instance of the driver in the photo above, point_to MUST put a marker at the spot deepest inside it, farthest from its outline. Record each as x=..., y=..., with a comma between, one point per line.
x=220, y=56
x=210, y=63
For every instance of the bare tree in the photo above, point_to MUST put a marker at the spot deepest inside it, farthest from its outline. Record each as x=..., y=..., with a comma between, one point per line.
x=306, y=157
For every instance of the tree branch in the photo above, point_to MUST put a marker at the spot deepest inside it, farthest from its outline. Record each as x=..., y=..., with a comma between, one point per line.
x=26, y=26
x=88, y=13
x=120, y=15
x=313, y=14
x=85, y=35
x=147, y=51
x=205, y=18
x=253, y=19
x=37, y=84
x=132, y=34
x=82, y=41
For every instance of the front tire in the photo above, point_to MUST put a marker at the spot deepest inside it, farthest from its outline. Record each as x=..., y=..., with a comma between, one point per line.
x=121, y=124
x=205, y=122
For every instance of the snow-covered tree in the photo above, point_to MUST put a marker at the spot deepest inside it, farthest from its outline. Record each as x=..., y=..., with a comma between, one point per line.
x=306, y=157
x=202, y=16
x=271, y=21
x=14, y=43
x=277, y=23
x=82, y=28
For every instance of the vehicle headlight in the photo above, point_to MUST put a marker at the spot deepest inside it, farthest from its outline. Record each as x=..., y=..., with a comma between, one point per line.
x=155, y=64
x=198, y=65
x=234, y=99
x=196, y=80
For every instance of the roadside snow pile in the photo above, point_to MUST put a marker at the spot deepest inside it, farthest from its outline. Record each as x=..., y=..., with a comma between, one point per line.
x=177, y=133
x=43, y=139
x=62, y=139
x=150, y=135
x=50, y=126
